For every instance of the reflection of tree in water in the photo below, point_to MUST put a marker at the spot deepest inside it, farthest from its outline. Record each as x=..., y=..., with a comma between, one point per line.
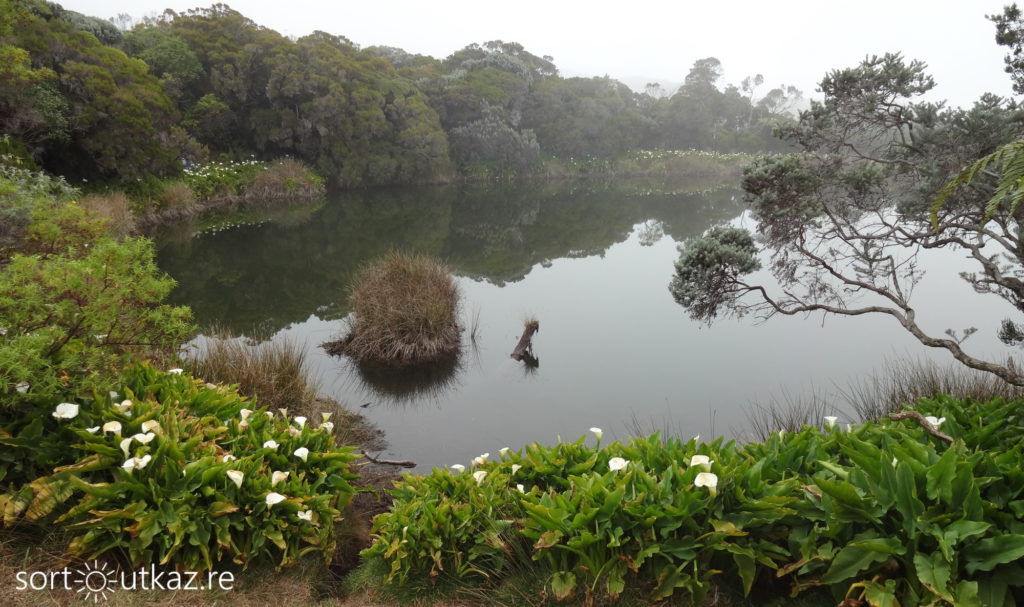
x=283, y=271
x=650, y=232
x=405, y=386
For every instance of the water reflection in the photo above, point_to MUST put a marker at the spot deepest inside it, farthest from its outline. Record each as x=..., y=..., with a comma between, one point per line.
x=405, y=386
x=273, y=271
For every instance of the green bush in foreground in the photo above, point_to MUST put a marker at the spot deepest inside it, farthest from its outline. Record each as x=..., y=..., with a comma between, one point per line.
x=883, y=513
x=182, y=473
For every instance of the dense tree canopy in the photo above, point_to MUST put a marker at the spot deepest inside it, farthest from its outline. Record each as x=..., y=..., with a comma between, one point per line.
x=89, y=100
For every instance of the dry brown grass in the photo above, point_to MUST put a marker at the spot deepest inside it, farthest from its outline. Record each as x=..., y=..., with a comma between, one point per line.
x=116, y=208
x=177, y=199
x=406, y=313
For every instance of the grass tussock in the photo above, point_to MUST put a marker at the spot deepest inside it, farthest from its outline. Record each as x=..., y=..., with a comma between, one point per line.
x=287, y=178
x=115, y=208
x=177, y=198
x=405, y=309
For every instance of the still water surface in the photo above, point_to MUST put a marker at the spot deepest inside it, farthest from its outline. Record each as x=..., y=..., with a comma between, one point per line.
x=591, y=261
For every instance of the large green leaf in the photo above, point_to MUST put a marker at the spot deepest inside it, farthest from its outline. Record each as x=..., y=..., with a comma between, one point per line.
x=859, y=556
x=986, y=554
x=934, y=572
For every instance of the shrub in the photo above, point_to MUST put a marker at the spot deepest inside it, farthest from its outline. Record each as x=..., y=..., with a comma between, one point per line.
x=20, y=191
x=182, y=473
x=406, y=312
x=884, y=513
x=287, y=178
x=177, y=199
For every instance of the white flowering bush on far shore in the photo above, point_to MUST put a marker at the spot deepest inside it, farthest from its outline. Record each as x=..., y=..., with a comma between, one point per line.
x=170, y=470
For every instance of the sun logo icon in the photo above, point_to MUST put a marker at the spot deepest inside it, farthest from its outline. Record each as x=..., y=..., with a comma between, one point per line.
x=96, y=581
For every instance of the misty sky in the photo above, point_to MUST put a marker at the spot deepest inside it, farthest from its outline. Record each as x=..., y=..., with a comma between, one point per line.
x=791, y=42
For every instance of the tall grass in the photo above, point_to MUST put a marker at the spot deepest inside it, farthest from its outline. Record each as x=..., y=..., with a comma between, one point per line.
x=899, y=383
x=405, y=309
x=115, y=208
x=274, y=372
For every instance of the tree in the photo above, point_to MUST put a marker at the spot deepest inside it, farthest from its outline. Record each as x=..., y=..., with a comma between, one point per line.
x=841, y=225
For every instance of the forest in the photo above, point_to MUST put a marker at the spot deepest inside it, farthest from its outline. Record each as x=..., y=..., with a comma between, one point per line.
x=94, y=101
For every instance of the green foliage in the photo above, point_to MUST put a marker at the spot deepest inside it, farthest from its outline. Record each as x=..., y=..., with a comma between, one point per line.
x=709, y=268
x=21, y=190
x=883, y=512
x=1008, y=163
x=181, y=473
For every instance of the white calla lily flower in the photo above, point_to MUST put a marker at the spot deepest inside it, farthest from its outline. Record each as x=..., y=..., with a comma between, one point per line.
x=709, y=480
x=274, y=498
x=503, y=451
x=150, y=425
x=143, y=461
x=66, y=411
x=124, y=406
x=830, y=420
x=301, y=421
x=93, y=430
x=597, y=432
x=306, y=515
x=481, y=459
x=270, y=444
x=302, y=453
x=934, y=421
x=326, y=416
x=293, y=432
x=126, y=445
x=327, y=426
x=236, y=477
x=617, y=463
x=175, y=371
x=516, y=468
x=277, y=477
x=114, y=427
x=22, y=387
x=458, y=467
x=228, y=458
x=479, y=476
x=521, y=488
x=244, y=414
x=703, y=461
x=114, y=395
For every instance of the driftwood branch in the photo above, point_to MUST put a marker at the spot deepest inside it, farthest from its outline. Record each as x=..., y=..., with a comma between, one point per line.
x=930, y=429
x=524, y=348
x=403, y=463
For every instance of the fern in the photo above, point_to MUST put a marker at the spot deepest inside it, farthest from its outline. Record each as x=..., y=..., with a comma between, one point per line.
x=1008, y=161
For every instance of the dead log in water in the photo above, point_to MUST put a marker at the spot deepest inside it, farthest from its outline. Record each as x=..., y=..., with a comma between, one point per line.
x=524, y=349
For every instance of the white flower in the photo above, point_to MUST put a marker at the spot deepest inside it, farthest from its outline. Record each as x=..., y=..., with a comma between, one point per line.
x=93, y=430
x=124, y=406
x=244, y=414
x=934, y=421
x=144, y=438
x=326, y=415
x=849, y=427
x=275, y=498
x=521, y=488
x=830, y=420
x=114, y=427
x=328, y=426
x=175, y=371
x=597, y=432
x=782, y=434
x=302, y=453
x=480, y=459
x=113, y=395
x=149, y=426
x=696, y=439
x=284, y=413
x=228, y=458
x=707, y=479
x=236, y=477
x=22, y=388
x=270, y=444
x=269, y=414
x=617, y=463
x=894, y=462
x=126, y=446
x=457, y=467
x=210, y=386
x=243, y=424
x=277, y=477
x=516, y=468
x=293, y=432
x=504, y=451
x=141, y=462
x=66, y=411
x=479, y=476
x=129, y=464
x=306, y=515
x=301, y=421
x=703, y=461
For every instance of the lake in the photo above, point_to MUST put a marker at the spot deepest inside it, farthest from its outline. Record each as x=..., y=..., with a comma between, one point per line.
x=591, y=261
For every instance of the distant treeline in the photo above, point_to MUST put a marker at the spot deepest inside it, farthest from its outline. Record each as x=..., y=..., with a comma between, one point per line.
x=88, y=99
